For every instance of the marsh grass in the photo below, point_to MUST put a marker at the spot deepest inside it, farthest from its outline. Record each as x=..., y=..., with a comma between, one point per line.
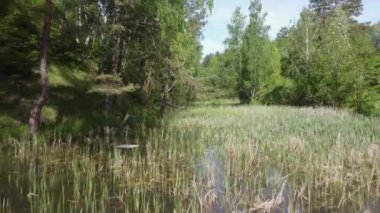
x=263, y=159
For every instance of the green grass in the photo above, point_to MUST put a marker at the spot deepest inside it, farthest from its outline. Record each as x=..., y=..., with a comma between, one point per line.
x=324, y=159
x=70, y=110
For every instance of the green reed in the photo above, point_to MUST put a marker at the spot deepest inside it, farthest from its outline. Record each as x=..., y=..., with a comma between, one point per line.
x=321, y=158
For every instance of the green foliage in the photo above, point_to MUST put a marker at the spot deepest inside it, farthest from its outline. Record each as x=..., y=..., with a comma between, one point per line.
x=233, y=54
x=18, y=38
x=132, y=51
x=376, y=35
x=365, y=65
x=250, y=67
x=146, y=56
x=260, y=61
x=5, y=7
x=326, y=58
x=216, y=78
x=332, y=61
x=329, y=63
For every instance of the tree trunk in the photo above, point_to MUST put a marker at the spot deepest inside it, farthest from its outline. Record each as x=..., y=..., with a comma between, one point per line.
x=35, y=114
x=116, y=66
x=169, y=84
x=116, y=56
x=147, y=86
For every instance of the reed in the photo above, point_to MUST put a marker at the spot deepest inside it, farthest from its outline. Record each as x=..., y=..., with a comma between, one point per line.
x=212, y=158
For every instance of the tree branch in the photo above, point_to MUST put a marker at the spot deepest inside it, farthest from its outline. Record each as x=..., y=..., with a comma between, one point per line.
x=174, y=106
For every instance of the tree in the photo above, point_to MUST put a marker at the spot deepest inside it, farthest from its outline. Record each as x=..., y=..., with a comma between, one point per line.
x=19, y=35
x=353, y=8
x=145, y=53
x=5, y=7
x=299, y=53
x=366, y=68
x=255, y=54
x=333, y=61
x=35, y=114
x=330, y=61
x=175, y=17
x=236, y=31
x=376, y=35
x=233, y=57
x=321, y=7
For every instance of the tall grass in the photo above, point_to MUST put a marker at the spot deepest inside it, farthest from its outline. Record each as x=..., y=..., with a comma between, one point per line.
x=211, y=158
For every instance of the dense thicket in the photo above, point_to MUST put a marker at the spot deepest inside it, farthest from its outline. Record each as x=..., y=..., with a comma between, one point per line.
x=327, y=58
x=139, y=57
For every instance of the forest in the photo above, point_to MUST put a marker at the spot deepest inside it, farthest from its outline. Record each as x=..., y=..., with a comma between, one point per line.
x=112, y=106
x=98, y=62
x=118, y=63
x=326, y=58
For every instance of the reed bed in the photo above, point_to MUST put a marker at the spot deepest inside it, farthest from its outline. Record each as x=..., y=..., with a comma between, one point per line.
x=209, y=158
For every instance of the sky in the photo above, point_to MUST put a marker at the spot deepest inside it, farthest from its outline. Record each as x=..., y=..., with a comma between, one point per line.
x=280, y=13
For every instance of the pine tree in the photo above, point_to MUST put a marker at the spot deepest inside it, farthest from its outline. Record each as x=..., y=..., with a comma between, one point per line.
x=353, y=8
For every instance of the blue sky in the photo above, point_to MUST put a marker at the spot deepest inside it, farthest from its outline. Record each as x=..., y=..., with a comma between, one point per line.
x=280, y=13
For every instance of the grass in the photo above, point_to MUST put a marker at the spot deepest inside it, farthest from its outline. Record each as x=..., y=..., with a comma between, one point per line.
x=70, y=110
x=209, y=157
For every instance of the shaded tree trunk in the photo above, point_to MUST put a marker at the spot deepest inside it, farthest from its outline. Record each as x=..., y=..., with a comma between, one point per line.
x=169, y=84
x=35, y=114
x=111, y=100
x=116, y=65
x=116, y=57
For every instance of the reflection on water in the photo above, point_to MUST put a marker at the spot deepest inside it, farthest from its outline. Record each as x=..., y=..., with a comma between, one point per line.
x=277, y=192
x=278, y=196
x=210, y=176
